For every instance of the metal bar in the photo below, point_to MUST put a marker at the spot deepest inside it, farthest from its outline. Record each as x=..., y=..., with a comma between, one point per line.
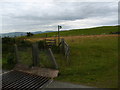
x=39, y=84
x=32, y=81
x=66, y=44
x=14, y=75
x=8, y=80
x=53, y=58
x=21, y=80
x=27, y=81
x=19, y=77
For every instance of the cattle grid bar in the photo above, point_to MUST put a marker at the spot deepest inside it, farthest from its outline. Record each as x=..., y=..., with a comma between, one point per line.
x=17, y=80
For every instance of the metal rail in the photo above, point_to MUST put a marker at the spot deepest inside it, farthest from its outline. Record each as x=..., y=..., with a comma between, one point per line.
x=17, y=80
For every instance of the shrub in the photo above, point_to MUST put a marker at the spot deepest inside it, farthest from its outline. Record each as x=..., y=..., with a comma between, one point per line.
x=8, y=61
x=23, y=43
x=41, y=44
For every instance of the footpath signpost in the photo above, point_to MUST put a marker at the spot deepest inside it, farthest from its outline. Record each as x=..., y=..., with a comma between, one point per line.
x=59, y=27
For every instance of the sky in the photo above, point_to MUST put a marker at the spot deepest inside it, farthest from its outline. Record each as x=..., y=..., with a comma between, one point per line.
x=46, y=15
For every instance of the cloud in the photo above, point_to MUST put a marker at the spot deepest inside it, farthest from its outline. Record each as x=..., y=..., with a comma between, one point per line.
x=59, y=1
x=42, y=16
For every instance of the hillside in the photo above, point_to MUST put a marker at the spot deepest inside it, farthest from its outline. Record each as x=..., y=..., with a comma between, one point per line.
x=88, y=31
x=17, y=34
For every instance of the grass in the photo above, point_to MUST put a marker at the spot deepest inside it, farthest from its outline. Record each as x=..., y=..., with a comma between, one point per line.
x=7, y=61
x=93, y=61
x=74, y=32
x=25, y=56
x=45, y=61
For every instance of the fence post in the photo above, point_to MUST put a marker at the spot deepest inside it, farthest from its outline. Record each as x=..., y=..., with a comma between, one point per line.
x=63, y=45
x=35, y=54
x=65, y=49
x=16, y=53
x=55, y=41
x=67, y=54
x=58, y=34
x=53, y=58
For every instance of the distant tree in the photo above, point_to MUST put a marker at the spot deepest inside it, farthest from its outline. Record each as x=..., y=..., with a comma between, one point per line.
x=29, y=34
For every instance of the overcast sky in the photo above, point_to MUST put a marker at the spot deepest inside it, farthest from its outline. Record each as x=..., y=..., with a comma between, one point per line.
x=34, y=15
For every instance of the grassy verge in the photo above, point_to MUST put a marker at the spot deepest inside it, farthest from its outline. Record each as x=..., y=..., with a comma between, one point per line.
x=93, y=61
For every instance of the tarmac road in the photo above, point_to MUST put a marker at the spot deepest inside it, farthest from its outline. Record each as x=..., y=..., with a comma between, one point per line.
x=57, y=84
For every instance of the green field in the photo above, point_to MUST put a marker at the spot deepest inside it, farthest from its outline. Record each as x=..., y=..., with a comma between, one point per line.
x=93, y=61
x=90, y=31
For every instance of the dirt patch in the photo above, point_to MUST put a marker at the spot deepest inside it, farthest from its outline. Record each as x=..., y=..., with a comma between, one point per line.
x=87, y=36
x=46, y=72
x=68, y=37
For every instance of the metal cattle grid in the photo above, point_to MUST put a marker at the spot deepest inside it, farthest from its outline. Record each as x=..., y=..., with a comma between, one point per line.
x=17, y=80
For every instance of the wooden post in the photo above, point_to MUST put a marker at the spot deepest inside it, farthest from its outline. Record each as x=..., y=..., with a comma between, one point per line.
x=35, y=54
x=58, y=35
x=45, y=39
x=46, y=35
x=65, y=49
x=53, y=58
x=55, y=41
x=63, y=46
x=16, y=53
x=67, y=54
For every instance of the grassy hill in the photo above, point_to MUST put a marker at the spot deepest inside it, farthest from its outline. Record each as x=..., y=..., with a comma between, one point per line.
x=88, y=31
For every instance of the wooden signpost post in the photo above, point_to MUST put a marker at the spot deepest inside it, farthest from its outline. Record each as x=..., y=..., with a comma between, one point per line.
x=59, y=27
x=35, y=54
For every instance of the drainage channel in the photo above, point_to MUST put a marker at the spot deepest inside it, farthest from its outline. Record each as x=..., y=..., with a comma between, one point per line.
x=17, y=80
